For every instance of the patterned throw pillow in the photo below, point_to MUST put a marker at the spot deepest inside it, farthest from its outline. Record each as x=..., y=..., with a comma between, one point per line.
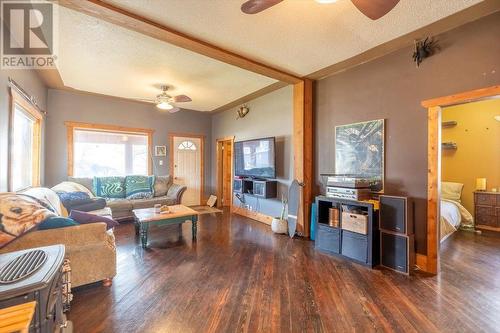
x=139, y=187
x=109, y=187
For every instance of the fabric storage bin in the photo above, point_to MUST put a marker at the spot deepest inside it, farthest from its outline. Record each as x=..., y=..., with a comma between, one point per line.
x=355, y=246
x=328, y=239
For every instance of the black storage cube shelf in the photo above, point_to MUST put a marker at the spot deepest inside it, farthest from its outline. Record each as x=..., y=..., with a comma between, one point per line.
x=360, y=248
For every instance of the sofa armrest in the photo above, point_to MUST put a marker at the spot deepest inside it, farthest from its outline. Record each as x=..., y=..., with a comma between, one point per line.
x=79, y=235
x=176, y=191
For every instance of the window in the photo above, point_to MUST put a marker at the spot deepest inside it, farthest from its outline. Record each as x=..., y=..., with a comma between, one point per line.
x=186, y=145
x=25, y=142
x=102, y=150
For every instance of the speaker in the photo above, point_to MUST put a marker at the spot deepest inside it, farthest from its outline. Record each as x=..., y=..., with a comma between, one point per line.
x=397, y=252
x=396, y=214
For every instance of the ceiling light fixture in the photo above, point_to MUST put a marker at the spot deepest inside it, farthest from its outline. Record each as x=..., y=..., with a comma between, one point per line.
x=164, y=105
x=497, y=118
x=326, y=1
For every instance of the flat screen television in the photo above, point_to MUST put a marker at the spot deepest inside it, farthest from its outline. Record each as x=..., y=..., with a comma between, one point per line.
x=255, y=158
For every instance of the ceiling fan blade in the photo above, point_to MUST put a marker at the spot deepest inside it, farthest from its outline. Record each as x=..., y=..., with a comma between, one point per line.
x=180, y=99
x=375, y=9
x=174, y=110
x=144, y=100
x=256, y=6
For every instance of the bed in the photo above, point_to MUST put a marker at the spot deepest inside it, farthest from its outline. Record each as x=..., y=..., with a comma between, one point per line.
x=453, y=214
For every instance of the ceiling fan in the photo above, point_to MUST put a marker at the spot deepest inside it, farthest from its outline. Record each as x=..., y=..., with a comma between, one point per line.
x=374, y=9
x=164, y=101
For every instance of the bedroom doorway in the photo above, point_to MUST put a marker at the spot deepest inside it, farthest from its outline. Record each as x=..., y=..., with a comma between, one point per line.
x=224, y=172
x=436, y=146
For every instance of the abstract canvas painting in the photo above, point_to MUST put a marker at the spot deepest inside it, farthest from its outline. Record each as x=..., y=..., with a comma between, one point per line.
x=359, y=150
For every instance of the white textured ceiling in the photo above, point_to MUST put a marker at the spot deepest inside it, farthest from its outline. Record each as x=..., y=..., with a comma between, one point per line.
x=300, y=36
x=98, y=57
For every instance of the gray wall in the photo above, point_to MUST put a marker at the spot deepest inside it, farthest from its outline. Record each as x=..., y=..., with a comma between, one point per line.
x=72, y=106
x=270, y=115
x=392, y=87
x=31, y=83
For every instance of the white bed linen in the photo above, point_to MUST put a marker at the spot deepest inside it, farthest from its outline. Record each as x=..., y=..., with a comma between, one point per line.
x=451, y=212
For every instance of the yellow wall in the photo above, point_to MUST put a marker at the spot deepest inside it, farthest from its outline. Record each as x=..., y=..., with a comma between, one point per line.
x=477, y=136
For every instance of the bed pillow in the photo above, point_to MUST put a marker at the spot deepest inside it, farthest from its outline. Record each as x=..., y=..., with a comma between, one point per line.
x=85, y=218
x=139, y=187
x=109, y=187
x=451, y=191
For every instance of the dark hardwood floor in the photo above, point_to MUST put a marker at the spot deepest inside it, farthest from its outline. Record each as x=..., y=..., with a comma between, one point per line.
x=238, y=276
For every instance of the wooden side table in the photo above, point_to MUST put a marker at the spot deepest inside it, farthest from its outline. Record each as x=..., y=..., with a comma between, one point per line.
x=17, y=318
x=487, y=210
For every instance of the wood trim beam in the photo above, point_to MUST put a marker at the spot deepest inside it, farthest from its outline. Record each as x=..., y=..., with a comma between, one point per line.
x=261, y=92
x=303, y=150
x=433, y=188
x=140, y=24
x=455, y=20
x=104, y=127
x=464, y=97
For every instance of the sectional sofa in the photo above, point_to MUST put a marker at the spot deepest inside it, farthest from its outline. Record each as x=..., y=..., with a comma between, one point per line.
x=165, y=193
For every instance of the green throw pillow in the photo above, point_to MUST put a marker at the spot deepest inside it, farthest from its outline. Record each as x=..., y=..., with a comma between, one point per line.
x=139, y=187
x=109, y=187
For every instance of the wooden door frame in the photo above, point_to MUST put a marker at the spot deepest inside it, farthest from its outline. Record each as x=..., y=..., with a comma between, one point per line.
x=430, y=262
x=218, y=176
x=71, y=126
x=202, y=161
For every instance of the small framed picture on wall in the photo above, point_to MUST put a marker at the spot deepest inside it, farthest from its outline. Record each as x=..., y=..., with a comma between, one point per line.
x=160, y=150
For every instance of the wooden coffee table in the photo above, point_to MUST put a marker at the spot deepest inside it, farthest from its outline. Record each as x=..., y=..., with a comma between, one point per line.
x=177, y=214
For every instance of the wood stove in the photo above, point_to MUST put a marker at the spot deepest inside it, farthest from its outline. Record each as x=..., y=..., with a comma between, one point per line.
x=36, y=275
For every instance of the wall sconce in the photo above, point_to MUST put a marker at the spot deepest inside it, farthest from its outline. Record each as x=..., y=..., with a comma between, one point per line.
x=242, y=111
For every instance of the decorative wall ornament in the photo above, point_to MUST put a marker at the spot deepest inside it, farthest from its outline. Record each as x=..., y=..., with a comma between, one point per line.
x=242, y=111
x=424, y=49
x=160, y=150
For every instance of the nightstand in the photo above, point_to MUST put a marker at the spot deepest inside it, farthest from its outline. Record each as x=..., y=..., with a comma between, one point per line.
x=487, y=210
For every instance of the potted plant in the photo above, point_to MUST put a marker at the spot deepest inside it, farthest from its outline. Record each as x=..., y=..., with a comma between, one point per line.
x=279, y=225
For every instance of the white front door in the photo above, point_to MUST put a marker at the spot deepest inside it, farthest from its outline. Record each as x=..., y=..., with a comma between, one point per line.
x=187, y=168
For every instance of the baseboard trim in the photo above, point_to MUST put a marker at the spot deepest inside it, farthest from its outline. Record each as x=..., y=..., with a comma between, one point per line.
x=252, y=215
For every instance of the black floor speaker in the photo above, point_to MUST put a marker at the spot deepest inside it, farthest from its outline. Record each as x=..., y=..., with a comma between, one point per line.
x=397, y=252
x=397, y=247
x=396, y=214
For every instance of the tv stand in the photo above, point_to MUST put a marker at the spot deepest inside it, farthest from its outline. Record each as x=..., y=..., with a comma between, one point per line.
x=257, y=179
x=261, y=188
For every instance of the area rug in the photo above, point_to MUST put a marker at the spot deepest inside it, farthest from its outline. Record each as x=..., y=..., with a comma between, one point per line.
x=206, y=209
